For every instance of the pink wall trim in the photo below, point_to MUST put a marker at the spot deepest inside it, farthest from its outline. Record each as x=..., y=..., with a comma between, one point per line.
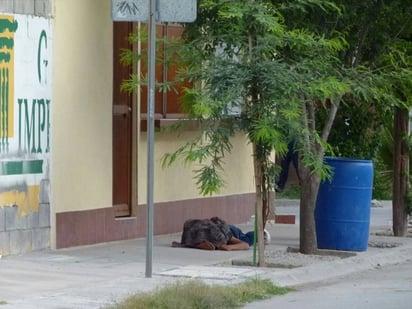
x=88, y=227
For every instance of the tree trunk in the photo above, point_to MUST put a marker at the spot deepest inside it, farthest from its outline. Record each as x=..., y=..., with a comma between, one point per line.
x=310, y=180
x=308, y=194
x=259, y=207
x=400, y=172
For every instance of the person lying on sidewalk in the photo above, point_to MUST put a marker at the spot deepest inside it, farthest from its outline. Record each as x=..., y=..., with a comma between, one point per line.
x=210, y=234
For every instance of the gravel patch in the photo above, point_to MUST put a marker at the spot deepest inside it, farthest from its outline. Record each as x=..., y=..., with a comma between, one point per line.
x=382, y=244
x=290, y=259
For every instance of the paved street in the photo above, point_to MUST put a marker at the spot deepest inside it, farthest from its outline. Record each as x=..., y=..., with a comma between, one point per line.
x=92, y=276
x=388, y=287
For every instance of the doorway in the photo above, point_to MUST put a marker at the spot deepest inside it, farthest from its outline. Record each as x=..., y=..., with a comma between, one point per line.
x=122, y=126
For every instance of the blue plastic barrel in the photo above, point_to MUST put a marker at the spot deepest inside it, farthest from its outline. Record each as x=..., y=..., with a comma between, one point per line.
x=342, y=213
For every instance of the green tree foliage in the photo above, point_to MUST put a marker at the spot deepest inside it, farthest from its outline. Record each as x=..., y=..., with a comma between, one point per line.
x=379, y=35
x=379, y=38
x=256, y=75
x=247, y=61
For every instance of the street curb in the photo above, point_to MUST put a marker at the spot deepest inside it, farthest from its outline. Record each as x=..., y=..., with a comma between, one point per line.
x=333, y=269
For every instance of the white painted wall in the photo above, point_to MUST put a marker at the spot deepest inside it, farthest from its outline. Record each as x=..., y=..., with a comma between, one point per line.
x=82, y=143
x=177, y=183
x=81, y=170
x=82, y=113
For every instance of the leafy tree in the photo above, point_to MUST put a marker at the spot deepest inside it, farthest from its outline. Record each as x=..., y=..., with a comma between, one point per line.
x=255, y=71
x=379, y=38
x=245, y=59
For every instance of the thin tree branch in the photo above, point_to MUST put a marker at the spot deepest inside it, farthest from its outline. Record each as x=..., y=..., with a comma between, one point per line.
x=329, y=122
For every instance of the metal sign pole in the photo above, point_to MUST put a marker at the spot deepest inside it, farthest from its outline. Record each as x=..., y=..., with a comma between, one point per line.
x=150, y=136
x=163, y=11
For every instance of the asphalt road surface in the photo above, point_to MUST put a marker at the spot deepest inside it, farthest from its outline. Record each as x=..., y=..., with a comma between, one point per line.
x=381, y=288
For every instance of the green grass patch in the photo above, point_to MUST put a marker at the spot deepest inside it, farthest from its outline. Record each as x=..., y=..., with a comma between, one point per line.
x=3, y=302
x=195, y=294
x=290, y=192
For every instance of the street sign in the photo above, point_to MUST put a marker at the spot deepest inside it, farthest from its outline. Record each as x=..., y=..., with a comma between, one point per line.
x=167, y=10
x=183, y=11
x=130, y=10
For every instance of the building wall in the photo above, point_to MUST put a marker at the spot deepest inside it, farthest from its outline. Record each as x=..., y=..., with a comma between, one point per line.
x=82, y=134
x=56, y=139
x=81, y=162
x=25, y=132
x=28, y=7
x=177, y=181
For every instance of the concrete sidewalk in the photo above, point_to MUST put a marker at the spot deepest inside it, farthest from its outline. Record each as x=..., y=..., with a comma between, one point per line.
x=93, y=276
